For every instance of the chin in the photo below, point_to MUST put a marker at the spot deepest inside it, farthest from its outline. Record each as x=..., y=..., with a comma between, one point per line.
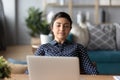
x=62, y=38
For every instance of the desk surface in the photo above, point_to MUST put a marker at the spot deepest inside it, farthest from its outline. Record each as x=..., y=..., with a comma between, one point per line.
x=84, y=77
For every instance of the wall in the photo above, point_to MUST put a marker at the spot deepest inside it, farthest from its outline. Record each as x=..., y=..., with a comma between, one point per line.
x=9, y=10
x=112, y=12
x=22, y=8
x=16, y=12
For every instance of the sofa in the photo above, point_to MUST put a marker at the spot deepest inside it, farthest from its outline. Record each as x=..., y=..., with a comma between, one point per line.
x=103, y=45
x=108, y=62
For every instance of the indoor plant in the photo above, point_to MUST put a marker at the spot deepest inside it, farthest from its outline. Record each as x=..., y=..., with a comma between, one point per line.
x=5, y=70
x=38, y=25
x=36, y=22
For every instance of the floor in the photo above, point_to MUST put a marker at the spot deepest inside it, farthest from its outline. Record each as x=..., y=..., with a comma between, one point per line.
x=18, y=52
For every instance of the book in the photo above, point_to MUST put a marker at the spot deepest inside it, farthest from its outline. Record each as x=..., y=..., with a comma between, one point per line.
x=116, y=77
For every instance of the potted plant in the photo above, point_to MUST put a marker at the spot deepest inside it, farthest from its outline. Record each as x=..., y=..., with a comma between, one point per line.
x=5, y=70
x=36, y=22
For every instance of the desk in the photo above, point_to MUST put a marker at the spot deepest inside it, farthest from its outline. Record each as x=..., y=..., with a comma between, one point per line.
x=84, y=77
x=97, y=77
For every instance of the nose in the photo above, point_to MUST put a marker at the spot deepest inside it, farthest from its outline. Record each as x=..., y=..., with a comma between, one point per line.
x=62, y=27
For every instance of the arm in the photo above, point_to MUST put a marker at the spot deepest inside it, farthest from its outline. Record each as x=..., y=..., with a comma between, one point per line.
x=85, y=62
x=39, y=51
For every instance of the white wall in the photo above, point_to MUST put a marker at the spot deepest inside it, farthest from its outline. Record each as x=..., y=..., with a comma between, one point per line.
x=22, y=8
x=16, y=12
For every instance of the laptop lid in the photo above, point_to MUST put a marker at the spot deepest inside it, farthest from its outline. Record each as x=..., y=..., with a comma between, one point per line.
x=53, y=68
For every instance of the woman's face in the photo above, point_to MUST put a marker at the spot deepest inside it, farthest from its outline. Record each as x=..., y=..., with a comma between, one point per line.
x=61, y=29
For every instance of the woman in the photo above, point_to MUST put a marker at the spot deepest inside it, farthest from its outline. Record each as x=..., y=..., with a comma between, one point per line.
x=60, y=26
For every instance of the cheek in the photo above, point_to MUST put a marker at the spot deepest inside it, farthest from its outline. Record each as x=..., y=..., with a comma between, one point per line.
x=54, y=30
x=68, y=31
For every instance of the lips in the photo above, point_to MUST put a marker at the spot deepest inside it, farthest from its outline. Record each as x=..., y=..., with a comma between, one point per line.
x=61, y=33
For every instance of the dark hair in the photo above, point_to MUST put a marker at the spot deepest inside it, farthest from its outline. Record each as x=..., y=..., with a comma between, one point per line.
x=61, y=15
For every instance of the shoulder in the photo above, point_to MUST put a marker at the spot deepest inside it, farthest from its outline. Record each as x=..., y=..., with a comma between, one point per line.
x=80, y=46
x=77, y=44
x=44, y=45
x=41, y=49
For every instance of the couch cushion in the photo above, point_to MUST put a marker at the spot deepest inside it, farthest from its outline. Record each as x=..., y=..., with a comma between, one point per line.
x=117, y=35
x=104, y=56
x=102, y=37
x=70, y=37
x=80, y=34
x=108, y=68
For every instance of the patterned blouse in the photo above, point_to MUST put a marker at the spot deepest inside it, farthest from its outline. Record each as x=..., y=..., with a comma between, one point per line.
x=68, y=49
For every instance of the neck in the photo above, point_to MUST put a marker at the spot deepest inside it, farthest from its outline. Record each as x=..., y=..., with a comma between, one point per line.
x=60, y=41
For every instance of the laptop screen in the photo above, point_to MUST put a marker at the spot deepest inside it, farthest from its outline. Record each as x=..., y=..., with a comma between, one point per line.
x=53, y=68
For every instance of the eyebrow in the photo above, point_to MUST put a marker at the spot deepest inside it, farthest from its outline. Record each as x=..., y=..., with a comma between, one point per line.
x=60, y=23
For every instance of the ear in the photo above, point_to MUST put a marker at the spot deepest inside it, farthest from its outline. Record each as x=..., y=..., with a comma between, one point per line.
x=70, y=28
x=51, y=28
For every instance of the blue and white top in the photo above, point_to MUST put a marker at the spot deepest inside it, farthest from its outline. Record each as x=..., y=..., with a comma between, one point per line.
x=68, y=49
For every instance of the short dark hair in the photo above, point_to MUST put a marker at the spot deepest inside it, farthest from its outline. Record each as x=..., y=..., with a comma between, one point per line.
x=61, y=15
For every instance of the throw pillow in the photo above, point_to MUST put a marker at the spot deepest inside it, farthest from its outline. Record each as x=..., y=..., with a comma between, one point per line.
x=117, y=35
x=102, y=37
x=80, y=34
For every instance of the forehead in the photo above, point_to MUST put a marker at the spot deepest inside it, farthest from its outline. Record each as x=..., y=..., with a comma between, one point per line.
x=64, y=20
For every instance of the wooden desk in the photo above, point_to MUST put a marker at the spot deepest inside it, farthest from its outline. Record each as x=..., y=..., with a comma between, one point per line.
x=18, y=77
x=84, y=77
x=96, y=77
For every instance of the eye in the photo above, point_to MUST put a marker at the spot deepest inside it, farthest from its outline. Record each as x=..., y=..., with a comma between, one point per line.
x=57, y=25
x=66, y=26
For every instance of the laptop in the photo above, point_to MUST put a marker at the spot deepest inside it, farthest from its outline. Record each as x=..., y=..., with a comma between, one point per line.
x=53, y=68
